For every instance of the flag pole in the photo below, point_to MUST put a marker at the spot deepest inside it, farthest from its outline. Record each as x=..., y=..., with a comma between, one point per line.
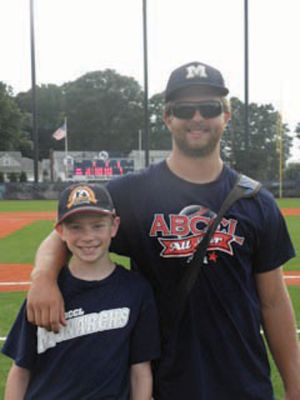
x=66, y=147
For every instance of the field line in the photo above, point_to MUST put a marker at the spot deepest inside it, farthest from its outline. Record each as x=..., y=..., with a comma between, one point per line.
x=14, y=283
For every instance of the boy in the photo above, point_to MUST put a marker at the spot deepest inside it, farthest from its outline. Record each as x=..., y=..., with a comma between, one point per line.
x=111, y=333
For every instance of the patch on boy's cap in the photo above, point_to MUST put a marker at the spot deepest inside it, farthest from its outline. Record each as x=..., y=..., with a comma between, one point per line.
x=81, y=195
x=195, y=74
x=84, y=198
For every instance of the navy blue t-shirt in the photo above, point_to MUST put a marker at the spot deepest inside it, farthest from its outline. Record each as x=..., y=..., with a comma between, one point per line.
x=217, y=352
x=112, y=324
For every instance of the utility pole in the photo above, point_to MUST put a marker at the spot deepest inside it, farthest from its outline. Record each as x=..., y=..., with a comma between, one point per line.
x=33, y=91
x=246, y=120
x=146, y=111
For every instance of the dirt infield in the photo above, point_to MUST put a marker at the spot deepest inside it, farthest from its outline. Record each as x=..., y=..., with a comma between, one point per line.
x=13, y=221
x=16, y=277
x=290, y=211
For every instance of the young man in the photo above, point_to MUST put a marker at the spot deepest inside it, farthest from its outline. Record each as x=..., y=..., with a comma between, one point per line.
x=111, y=334
x=217, y=351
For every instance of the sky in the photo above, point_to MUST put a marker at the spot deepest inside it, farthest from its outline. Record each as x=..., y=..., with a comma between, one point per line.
x=73, y=37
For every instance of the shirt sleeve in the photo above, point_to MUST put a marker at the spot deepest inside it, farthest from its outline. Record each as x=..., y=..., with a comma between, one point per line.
x=21, y=342
x=274, y=247
x=145, y=340
x=117, y=187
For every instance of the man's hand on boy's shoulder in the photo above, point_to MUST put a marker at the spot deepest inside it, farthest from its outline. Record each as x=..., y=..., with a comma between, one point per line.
x=45, y=304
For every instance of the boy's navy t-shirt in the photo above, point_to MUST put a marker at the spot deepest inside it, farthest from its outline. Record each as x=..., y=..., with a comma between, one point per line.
x=218, y=352
x=111, y=324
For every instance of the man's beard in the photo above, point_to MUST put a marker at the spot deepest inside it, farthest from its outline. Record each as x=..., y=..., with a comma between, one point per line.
x=197, y=151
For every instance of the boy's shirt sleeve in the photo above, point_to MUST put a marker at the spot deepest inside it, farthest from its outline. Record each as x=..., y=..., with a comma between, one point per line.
x=21, y=342
x=145, y=340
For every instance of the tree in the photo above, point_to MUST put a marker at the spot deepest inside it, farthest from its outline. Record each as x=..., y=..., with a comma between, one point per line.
x=293, y=172
x=12, y=136
x=261, y=160
x=297, y=130
x=23, y=177
x=105, y=112
x=160, y=138
x=50, y=115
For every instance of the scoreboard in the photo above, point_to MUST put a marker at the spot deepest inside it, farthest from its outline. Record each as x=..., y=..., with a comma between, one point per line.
x=97, y=169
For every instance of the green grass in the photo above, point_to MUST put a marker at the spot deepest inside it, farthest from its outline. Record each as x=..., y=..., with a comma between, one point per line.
x=10, y=303
x=289, y=202
x=27, y=205
x=20, y=247
x=293, y=224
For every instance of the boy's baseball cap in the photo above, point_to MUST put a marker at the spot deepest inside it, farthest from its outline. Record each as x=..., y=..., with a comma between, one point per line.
x=195, y=74
x=84, y=198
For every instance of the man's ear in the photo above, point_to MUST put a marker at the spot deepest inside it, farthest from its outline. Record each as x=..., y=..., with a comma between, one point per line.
x=227, y=117
x=167, y=117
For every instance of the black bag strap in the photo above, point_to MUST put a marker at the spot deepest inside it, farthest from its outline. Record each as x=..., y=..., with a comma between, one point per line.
x=244, y=187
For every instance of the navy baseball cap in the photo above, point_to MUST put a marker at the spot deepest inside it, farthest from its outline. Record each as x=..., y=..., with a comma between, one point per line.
x=195, y=74
x=84, y=199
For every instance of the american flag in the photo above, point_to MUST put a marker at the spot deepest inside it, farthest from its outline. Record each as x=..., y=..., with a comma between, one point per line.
x=61, y=132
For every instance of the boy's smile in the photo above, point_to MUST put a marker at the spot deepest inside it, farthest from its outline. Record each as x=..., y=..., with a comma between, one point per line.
x=88, y=238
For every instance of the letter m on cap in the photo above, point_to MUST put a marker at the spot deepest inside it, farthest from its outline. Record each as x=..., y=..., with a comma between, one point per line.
x=194, y=71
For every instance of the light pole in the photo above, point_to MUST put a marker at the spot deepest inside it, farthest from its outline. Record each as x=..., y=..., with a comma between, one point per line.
x=146, y=111
x=33, y=90
x=246, y=122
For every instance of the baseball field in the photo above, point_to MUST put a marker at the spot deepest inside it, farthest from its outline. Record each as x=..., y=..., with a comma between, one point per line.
x=23, y=226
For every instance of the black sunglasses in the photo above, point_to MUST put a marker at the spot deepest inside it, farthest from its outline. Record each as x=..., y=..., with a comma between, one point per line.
x=208, y=109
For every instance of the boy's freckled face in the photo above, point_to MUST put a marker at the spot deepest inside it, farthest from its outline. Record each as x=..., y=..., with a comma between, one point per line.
x=88, y=237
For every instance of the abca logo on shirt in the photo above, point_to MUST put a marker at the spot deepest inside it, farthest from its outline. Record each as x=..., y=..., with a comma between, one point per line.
x=179, y=234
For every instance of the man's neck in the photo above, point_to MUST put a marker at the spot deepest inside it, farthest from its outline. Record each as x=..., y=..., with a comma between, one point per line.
x=195, y=170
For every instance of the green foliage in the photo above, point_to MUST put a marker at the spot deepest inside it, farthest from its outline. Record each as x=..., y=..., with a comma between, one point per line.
x=23, y=177
x=261, y=159
x=12, y=177
x=1, y=177
x=160, y=138
x=12, y=136
x=105, y=112
x=292, y=172
x=50, y=114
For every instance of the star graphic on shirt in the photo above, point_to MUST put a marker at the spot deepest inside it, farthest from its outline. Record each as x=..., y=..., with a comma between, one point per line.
x=213, y=256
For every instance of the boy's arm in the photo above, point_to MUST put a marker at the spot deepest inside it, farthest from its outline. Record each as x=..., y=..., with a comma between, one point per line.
x=141, y=381
x=280, y=329
x=17, y=383
x=45, y=306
